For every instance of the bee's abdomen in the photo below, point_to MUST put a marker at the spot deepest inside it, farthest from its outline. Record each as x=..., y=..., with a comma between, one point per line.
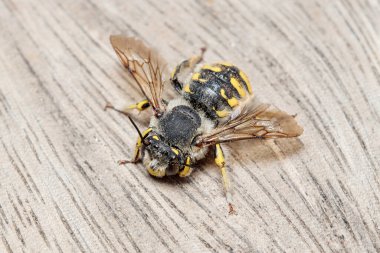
x=217, y=89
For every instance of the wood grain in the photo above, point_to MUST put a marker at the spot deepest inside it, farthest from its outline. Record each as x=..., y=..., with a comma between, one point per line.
x=61, y=189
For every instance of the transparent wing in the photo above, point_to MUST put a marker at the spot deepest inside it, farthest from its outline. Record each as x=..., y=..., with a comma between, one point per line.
x=145, y=65
x=263, y=121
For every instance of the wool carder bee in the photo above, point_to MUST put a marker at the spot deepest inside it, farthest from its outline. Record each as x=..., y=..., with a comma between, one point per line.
x=214, y=105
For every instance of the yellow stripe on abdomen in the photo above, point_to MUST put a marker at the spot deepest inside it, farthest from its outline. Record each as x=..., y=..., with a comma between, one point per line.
x=237, y=85
x=231, y=101
x=246, y=81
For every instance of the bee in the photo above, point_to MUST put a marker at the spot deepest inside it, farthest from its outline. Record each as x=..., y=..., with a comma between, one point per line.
x=215, y=104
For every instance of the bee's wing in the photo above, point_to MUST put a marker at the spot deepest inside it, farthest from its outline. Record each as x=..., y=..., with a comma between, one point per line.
x=145, y=65
x=260, y=121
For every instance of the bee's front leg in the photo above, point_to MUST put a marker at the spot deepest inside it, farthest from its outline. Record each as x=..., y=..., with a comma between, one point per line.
x=220, y=162
x=138, y=149
x=136, y=156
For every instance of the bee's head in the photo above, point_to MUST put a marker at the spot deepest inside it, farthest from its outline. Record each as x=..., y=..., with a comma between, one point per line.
x=162, y=159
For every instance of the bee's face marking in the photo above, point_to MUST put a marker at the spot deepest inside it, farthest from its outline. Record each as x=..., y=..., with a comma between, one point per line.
x=175, y=150
x=163, y=160
x=156, y=171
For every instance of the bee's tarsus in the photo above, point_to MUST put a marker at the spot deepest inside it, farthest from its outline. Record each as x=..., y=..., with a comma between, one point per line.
x=108, y=106
x=231, y=209
x=123, y=162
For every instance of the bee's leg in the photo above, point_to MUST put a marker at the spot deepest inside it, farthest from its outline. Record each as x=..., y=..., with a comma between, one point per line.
x=220, y=162
x=186, y=169
x=138, y=146
x=136, y=156
x=184, y=68
x=140, y=106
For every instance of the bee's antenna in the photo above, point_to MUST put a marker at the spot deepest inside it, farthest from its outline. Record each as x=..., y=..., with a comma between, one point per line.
x=109, y=106
x=137, y=129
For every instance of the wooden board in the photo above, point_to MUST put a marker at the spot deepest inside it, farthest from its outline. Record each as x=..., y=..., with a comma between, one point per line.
x=61, y=189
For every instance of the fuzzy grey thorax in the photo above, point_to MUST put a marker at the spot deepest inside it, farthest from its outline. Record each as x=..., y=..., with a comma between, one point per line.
x=179, y=126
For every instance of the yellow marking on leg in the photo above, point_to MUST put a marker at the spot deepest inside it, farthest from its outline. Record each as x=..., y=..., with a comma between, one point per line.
x=139, y=143
x=231, y=101
x=212, y=68
x=246, y=80
x=155, y=137
x=237, y=86
x=187, y=169
x=142, y=105
x=137, y=150
x=219, y=156
x=222, y=114
x=220, y=162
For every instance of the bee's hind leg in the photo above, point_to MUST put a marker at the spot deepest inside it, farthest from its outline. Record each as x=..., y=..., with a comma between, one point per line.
x=185, y=68
x=140, y=106
x=220, y=162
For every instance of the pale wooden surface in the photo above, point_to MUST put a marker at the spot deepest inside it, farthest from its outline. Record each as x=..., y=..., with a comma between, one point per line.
x=61, y=189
